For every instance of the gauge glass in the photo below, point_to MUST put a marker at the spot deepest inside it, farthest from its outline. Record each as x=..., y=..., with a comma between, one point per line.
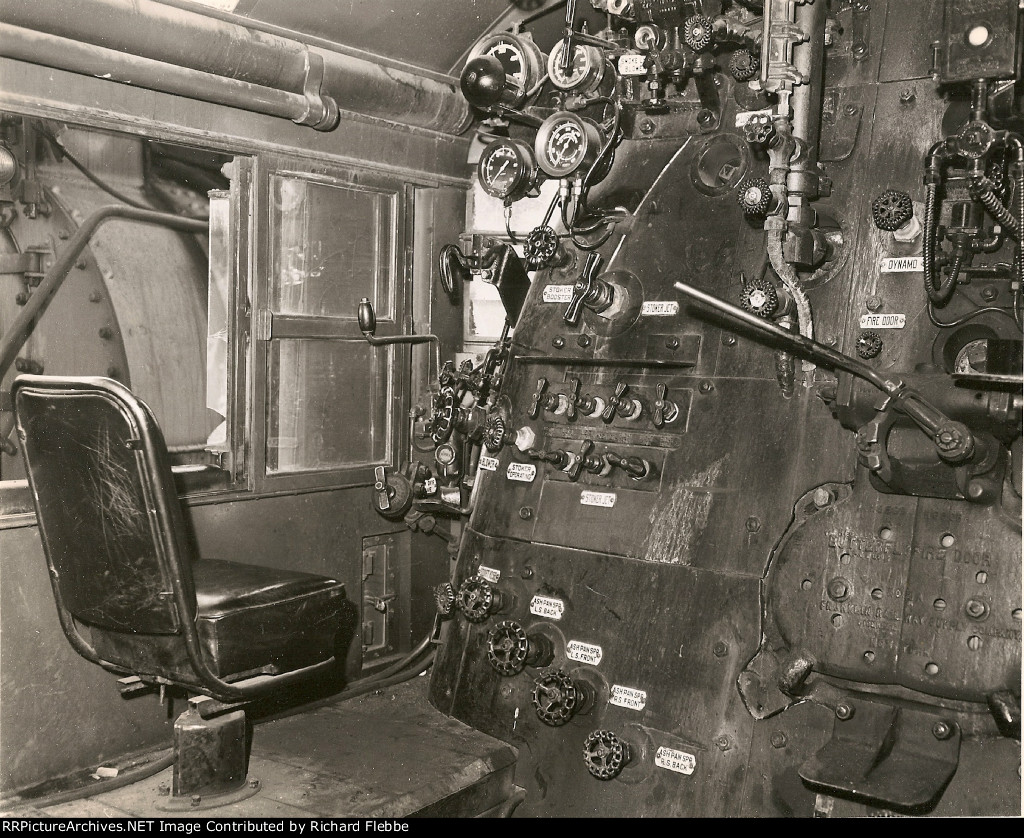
x=501, y=169
x=579, y=69
x=565, y=147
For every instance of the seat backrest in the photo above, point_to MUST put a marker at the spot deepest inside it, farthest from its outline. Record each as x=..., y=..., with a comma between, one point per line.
x=108, y=513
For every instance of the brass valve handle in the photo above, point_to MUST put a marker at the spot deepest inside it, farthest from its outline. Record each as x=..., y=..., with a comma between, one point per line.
x=542, y=399
x=664, y=410
x=589, y=291
x=558, y=458
x=636, y=467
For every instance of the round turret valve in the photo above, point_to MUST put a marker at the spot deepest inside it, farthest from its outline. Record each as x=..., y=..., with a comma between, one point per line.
x=758, y=129
x=541, y=247
x=697, y=32
x=605, y=754
x=869, y=345
x=891, y=210
x=759, y=297
x=555, y=697
x=477, y=599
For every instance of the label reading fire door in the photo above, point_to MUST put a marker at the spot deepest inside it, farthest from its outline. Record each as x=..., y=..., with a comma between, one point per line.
x=488, y=463
x=545, y=606
x=678, y=761
x=489, y=573
x=557, y=293
x=523, y=472
x=883, y=321
x=606, y=499
x=583, y=652
x=628, y=697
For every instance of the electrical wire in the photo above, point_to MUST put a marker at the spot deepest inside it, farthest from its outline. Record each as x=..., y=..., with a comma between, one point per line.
x=942, y=324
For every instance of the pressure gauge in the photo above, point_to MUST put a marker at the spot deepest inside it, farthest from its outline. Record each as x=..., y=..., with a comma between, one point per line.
x=520, y=58
x=585, y=70
x=566, y=143
x=507, y=170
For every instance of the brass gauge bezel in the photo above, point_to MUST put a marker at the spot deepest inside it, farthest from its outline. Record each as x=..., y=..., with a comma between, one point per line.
x=586, y=73
x=589, y=138
x=526, y=175
x=527, y=54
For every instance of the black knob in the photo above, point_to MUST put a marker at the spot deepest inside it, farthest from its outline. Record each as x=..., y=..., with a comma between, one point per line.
x=367, y=319
x=605, y=754
x=697, y=32
x=477, y=599
x=744, y=65
x=755, y=196
x=541, y=247
x=891, y=210
x=759, y=297
x=444, y=598
x=483, y=82
x=869, y=344
x=555, y=697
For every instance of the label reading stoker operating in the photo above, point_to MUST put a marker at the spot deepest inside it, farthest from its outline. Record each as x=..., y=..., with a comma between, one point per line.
x=883, y=321
x=489, y=573
x=545, y=606
x=583, y=652
x=678, y=761
x=628, y=697
x=902, y=264
x=488, y=463
x=523, y=472
x=659, y=308
x=606, y=499
x=557, y=293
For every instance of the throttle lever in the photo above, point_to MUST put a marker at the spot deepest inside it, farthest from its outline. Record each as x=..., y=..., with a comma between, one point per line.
x=953, y=441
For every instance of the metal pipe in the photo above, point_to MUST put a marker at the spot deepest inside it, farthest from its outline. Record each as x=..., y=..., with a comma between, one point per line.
x=87, y=59
x=199, y=42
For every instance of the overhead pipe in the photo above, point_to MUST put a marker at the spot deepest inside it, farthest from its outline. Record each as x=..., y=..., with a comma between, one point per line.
x=219, y=48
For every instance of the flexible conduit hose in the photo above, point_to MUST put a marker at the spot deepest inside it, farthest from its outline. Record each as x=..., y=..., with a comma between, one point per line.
x=938, y=291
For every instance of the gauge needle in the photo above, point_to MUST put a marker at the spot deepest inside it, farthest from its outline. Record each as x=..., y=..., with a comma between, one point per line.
x=501, y=169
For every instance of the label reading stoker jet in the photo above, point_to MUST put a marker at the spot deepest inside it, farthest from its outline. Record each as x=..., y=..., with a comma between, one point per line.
x=583, y=652
x=489, y=573
x=659, y=308
x=606, y=499
x=545, y=606
x=557, y=293
x=488, y=463
x=902, y=264
x=678, y=761
x=883, y=321
x=523, y=472
x=628, y=697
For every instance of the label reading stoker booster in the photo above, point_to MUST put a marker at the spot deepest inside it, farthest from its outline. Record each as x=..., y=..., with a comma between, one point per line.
x=583, y=652
x=678, y=761
x=523, y=472
x=628, y=697
x=557, y=293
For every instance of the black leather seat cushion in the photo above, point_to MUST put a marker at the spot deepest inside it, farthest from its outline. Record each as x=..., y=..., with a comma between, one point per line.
x=250, y=619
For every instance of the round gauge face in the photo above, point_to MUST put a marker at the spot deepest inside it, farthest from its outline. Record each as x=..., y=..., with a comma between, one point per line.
x=565, y=146
x=579, y=69
x=512, y=57
x=501, y=169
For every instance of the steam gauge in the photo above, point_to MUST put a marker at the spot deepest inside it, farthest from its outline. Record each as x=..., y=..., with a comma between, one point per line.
x=566, y=143
x=520, y=58
x=507, y=170
x=585, y=71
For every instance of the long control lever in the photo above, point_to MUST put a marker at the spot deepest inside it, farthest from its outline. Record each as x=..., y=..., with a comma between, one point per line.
x=368, y=326
x=953, y=440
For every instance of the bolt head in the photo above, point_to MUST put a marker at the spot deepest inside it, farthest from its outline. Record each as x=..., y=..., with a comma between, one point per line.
x=729, y=340
x=706, y=387
x=558, y=342
x=752, y=524
x=839, y=589
x=822, y=497
x=844, y=711
x=526, y=513
x=942, y=730
x=873, y=303
x=721, y=649
x=646, y=126
x=778, y=739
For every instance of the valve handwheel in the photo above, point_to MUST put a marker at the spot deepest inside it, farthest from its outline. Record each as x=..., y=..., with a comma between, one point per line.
x=495, y=432
x=605, y=754
x=541, y=246
x=891, y=210
x=758, y=129
x=697, y=32
x=555, y=697
x=444, y=597
x=759, y=297
x=476, y=599
x=744, y=65
x=869, y=344
x=755, y=196
x=507, y=647
x=443, y=419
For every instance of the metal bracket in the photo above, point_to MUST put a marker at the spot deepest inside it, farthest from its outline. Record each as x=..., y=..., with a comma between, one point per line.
x=321, y=110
